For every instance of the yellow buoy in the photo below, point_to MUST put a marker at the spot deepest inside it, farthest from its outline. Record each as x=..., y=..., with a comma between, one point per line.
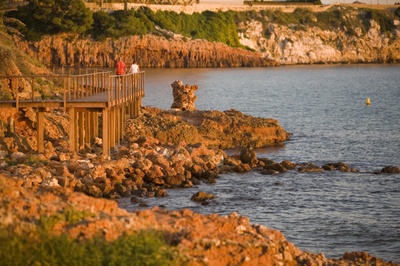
x=368, y=101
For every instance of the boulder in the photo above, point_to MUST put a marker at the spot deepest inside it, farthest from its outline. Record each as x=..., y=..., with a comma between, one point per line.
x=391, y=170
x=202, y=196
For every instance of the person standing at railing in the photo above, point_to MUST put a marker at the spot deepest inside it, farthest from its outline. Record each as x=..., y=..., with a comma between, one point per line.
x=134, y=68
x=120, y=67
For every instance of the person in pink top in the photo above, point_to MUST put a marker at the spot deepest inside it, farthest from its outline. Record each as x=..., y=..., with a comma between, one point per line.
x=120, y=67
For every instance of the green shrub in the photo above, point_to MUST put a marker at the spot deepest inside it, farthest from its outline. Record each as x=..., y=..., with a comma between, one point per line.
x=382, y=17
x=52, y=17
x=212, y=26
x=143, y=248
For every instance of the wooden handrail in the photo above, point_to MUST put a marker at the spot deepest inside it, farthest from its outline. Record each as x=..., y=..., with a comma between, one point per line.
x=126, y=87
x=119, y=88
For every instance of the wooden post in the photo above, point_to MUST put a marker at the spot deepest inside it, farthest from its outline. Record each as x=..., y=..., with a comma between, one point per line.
x=81, y=130
x=112, y=128
x=88, y=128
x=94, y=125
x=118, y=124
x=125, y=114
x=40, y=129
x=139, y=105
x=106, y=136
x=72, y=120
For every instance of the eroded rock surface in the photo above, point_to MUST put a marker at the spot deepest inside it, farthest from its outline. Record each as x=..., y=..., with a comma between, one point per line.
x=204, y=239
x=184, y=97
x=217, y=129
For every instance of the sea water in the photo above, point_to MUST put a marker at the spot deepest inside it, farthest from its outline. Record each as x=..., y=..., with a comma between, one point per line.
x=325, y=109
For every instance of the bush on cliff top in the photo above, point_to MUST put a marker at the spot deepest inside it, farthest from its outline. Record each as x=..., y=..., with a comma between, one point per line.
x=212, y=26
x=337, y=17
x=53, y=17
x=144, y=248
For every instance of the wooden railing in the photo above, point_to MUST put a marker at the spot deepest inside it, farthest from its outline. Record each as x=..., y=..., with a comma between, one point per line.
x=124, y=88
x=69, y=88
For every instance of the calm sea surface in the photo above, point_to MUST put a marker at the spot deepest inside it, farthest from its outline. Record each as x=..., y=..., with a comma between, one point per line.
x=324, y=107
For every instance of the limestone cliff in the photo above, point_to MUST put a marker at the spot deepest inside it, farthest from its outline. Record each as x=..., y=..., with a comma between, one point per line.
x=353, y=37
x=286, y=45
x=148, y=51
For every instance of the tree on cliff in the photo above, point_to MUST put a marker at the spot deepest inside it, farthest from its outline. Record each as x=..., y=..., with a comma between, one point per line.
x=54, y=16
x=121, y=23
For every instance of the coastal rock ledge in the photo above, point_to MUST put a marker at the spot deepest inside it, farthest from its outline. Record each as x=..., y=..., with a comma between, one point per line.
x=203, y=239
x=214, y=129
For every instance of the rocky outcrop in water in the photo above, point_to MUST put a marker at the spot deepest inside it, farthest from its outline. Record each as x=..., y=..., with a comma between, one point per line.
x=216, y=129
x=184, y=97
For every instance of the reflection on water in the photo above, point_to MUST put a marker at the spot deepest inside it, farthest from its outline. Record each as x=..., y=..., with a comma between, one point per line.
x=324, y=107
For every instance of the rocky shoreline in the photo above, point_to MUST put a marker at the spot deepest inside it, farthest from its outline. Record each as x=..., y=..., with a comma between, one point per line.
x=163, y=149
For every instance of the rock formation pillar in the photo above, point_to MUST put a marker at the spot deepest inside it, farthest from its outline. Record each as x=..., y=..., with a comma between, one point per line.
x=184, y=97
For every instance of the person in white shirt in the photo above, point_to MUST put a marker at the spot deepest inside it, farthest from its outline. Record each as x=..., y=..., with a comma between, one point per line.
x=134, y=68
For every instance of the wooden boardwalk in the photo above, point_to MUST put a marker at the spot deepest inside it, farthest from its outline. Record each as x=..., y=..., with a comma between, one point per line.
x=98, y=104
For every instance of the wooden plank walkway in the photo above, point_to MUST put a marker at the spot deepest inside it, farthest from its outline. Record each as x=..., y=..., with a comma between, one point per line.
x=91, y=99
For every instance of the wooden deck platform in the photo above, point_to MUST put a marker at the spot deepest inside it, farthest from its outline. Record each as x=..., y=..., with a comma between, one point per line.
x=90, y=99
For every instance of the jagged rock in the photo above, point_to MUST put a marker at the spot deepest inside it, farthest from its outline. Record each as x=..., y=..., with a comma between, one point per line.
x=50, y=182
x=391, y=170
x=343, y=167
x=18, y=156
x=289, y=165
x=184, y=97
x=248, y=156
x=202, y=196
x=242, y=168
x=161, y=193
x=274, y=167
x=93, y=190
x=269, y=172
x=310, y=168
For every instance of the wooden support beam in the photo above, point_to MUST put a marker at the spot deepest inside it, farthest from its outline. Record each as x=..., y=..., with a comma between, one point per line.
x=40, y=129
x=139, y=105
x=125, y=115
x=94, y=121
x=81, y=130
x=117, y=125
x=131, y=109
x=72, y=135
x=106, y=130
x=88, y=128
x=112, y=128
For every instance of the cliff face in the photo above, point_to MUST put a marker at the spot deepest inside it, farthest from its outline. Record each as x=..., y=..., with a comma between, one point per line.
x=314, y=45
x=148, y=51
x=355, y=38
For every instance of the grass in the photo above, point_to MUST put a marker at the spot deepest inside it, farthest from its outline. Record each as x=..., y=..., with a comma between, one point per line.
x=142, y=248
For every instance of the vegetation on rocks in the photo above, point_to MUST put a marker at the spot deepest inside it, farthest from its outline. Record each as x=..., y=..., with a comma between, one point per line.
x=142, y=248
x=55, y=17
x=337, y=17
